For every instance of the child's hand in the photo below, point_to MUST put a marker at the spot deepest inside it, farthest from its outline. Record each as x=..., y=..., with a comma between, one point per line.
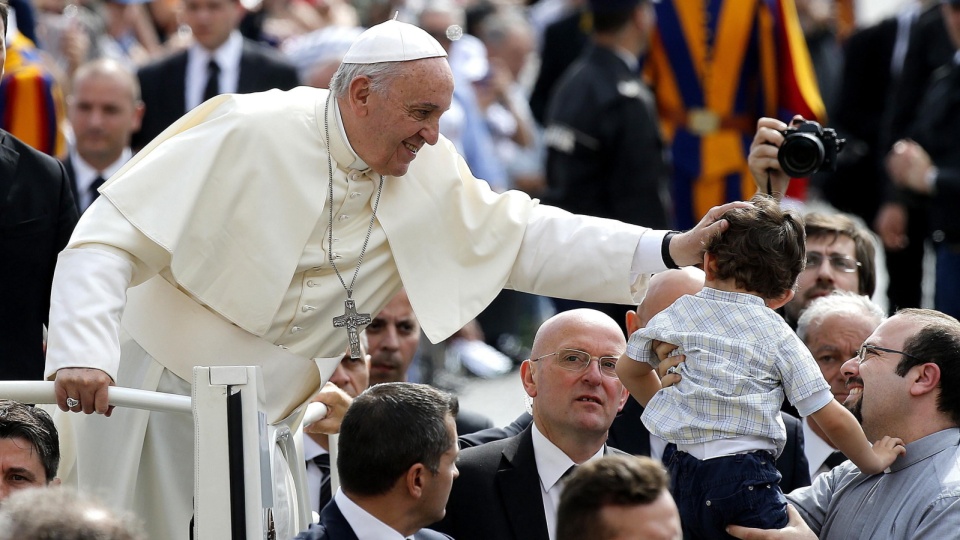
x=886, y=451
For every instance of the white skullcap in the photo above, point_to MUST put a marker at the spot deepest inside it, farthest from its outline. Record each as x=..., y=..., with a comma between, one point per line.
x=393, y=41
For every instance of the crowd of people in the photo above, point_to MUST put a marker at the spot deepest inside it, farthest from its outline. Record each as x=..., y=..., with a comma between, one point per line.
x=315, y=187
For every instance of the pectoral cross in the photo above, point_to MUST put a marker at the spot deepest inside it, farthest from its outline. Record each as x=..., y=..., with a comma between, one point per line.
x=351, y=319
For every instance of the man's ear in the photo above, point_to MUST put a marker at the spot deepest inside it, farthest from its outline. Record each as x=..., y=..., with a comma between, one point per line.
x=414, y=479
x=526, y=377
x=774, y=303
x=632, y=321
x=54, y=482
x=925, y=378
x=358, y=95
x=624, y=395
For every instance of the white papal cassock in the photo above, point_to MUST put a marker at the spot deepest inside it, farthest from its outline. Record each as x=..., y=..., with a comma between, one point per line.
x=229, y=206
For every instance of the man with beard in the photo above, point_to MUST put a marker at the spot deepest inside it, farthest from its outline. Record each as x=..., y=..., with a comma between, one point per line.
x=905, y=380
x=393, y=337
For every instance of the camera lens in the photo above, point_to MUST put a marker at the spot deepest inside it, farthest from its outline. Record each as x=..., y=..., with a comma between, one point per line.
x=801, y=154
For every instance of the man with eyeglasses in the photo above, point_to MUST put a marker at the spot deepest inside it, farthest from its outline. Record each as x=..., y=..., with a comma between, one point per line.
x=510, y=489
x=905, y=380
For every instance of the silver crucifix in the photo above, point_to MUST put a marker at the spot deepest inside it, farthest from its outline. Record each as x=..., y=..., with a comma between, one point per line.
x=351, y=319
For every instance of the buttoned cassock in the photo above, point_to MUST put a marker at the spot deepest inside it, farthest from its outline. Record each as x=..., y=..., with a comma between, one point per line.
x=229, y=205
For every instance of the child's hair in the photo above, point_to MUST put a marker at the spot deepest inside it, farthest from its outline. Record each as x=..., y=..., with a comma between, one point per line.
x=763, y=249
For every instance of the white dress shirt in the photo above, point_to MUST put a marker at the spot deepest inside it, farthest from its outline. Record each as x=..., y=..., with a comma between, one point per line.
x=227, y=58
x=84, y=174
x=314, y=475
x=816, y=449
x=364, y=524
x=552, y=463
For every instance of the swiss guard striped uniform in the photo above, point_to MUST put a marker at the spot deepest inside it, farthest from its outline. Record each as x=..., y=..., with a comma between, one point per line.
x=716, y=67
x=31, y=103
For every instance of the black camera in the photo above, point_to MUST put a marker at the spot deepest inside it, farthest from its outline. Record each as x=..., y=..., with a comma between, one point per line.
x=807, y=148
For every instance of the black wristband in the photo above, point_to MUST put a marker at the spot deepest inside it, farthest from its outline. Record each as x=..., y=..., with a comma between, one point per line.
x=665, y=250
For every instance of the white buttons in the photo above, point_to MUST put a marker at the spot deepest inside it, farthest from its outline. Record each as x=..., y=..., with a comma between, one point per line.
x=343, y=217
x=307, y=308
x=352, y=175
x=312, y=283
x=355, y=194
x=295, y=329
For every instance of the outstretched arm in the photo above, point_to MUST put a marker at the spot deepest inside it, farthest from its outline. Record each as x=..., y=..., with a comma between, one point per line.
x=847, y=435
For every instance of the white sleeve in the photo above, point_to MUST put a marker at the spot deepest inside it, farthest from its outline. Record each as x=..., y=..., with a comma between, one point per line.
x=105, y=256
x=86, y=302
x=585, y=258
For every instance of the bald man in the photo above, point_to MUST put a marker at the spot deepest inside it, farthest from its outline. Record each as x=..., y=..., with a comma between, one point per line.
x=105, y=111
x=510, y=489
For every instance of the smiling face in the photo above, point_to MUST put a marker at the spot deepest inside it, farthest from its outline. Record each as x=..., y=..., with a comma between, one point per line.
x=878, y=396
x=390, y=126
x=567, y=402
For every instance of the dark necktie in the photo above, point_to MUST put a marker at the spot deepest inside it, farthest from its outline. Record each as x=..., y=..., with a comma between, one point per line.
x=323, y=462
x=213, y=80
x=835, y=459
x=94, y=186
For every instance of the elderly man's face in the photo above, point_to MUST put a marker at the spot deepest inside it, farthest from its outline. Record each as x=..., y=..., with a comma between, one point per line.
x=878, y=396
x=20, y=466
x=352, y=374
x=835, y=339
x=822, y=280
x=569, y=401
x=406, y=116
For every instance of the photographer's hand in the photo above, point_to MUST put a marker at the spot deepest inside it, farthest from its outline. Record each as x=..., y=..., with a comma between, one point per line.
x=762, y=160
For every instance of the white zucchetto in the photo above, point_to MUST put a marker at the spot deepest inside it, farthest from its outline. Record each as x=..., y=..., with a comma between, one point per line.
x=393, y=41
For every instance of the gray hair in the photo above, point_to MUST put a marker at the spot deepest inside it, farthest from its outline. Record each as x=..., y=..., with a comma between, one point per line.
x=838, y=302
x=380, y=75
x=58, y=512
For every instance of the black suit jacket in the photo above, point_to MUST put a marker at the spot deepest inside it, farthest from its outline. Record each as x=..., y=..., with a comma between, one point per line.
x=497, y=495
x=630, y=435
x=162, y=85
x=37, y=216
x=333, y=526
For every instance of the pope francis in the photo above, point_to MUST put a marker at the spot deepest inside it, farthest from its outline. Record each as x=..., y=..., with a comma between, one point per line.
x=264, y=229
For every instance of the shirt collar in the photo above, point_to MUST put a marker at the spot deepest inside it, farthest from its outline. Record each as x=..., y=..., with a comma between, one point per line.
x=816, y=449
x=710, y=293
x=312, y=448
x=629, y=59
x=227, y=54
x=356, y=162
x=926, y=447
x=551, y=461
x=84, y=173
x=363, y=523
